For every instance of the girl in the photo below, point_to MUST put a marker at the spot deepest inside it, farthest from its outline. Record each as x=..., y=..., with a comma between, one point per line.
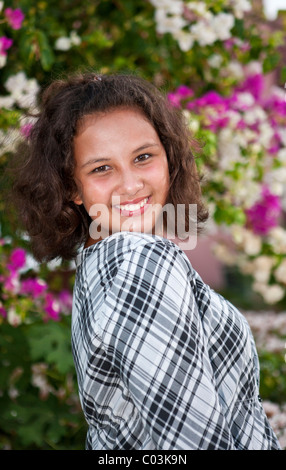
x=163, y=362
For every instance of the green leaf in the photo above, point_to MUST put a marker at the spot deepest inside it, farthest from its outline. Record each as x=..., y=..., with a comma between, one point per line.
x=9, y=118
x=14, y=353
x=238, y=29
x=27, y=45
x=50, y=342
x=270, y=62
x=47, y=57
x=283, y=75
x=228, y=214
x=36, y=421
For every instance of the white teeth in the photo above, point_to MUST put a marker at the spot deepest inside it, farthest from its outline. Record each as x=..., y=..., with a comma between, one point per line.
x=133, y=207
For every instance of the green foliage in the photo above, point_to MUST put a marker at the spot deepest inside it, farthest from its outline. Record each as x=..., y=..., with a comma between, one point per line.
x=51, y=344
x=273, y=376
x=119, y=36
x=39, y=405
x=228, y=214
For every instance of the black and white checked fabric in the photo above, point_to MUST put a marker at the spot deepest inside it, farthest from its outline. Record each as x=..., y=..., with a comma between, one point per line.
x=163, y=362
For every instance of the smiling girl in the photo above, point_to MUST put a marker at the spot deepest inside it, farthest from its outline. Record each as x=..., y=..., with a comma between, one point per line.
x=163, y=362
x=122, y=165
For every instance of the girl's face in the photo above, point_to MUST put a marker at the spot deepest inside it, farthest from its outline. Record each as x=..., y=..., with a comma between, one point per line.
x=121, y=172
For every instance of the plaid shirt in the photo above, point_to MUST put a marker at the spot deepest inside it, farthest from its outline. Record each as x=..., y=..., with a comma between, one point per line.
x=163, y=362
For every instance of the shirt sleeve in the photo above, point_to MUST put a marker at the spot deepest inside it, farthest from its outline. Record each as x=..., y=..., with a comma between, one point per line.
x=154, y=337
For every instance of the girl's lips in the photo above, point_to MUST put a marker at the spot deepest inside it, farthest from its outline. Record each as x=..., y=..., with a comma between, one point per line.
x=137, y=207
x=135, y=201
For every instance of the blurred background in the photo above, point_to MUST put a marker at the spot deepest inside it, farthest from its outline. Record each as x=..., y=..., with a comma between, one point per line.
x=223, y=63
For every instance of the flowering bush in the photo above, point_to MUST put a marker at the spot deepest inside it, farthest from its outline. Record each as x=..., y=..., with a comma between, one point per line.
x=26, y=298
x=242, y=127
x=14, y=19
x=269, y=331
x=191, y=22
x=216, y=38
x=205, y=53
x=39, y=401
x=245, y=175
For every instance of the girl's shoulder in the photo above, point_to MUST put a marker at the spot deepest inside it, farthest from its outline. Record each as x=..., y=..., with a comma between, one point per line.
x=113, y=250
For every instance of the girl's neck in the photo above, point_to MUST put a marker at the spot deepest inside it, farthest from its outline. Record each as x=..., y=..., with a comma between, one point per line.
x=89, y=242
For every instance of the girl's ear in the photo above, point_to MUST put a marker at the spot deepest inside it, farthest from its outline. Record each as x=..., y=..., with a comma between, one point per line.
x=78, y=200
x=76, y=194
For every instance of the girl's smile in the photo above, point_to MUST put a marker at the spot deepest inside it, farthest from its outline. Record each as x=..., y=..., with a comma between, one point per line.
x=132, y=208
x=121, y=167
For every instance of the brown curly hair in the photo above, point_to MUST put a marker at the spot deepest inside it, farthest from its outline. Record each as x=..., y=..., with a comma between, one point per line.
x=44, y=186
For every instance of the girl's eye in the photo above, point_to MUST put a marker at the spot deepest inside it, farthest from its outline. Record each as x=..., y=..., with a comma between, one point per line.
x=100, y=169
x=143, y=157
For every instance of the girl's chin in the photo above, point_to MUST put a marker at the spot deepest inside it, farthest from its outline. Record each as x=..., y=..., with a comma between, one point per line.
x=128, y=226
x=149, y=222
x=143, y=225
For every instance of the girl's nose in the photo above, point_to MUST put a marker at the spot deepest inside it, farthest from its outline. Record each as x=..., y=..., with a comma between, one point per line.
x=131, y=183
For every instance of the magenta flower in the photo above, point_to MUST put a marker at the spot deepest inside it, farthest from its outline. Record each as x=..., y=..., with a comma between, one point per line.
x=234, y=102
x=5, y=44
x=275, y=143
x=181, y=93
x=34, y=287
x=3, y=312
x=11, y=282
x=218, y=123
x=17, y=259
x=254, y=84
x=14, y=17
x=229, y=43
x=65, y=300
x=211, y=98
x=276, y=106
x=52, y=307
x=264, y=215
x=213, y=107
x=26, y=129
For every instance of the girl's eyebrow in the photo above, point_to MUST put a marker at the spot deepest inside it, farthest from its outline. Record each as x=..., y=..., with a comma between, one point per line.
x=145, y=146
x=92, y=161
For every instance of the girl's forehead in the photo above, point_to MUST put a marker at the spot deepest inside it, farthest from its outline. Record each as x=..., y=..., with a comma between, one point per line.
x=116, y=113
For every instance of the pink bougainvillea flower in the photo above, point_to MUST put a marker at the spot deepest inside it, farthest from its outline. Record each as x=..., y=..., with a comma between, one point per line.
x=218, y=123
x=184, y=91
x=17, y=259
x=14, y=17
x=229, y=43
x=211, y=98
x=52, y=307
x=276, y=106
x=26, y=129
x=241, y=124
x=3, y=312
x=11, y=282
x=275, y=143
x=5, y=44
x=181, y=93
x=213, y=107
x=34, y=287
x=235, y=102
x=65, y=300
x=254, y=84
x=265, y=213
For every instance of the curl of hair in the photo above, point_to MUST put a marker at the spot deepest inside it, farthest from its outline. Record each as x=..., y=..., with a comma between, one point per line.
x=44, y=186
